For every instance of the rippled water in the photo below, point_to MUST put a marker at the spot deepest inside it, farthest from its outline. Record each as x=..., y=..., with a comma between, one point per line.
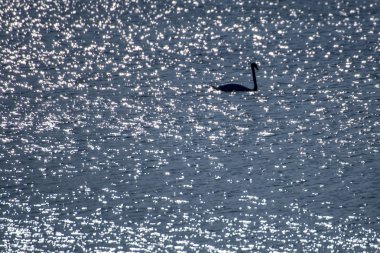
x=111, y=139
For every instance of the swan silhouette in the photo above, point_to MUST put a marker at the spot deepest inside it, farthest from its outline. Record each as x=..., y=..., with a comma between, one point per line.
x=237, y=87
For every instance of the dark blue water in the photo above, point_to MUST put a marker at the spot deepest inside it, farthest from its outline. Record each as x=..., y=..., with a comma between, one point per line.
x=111, y=139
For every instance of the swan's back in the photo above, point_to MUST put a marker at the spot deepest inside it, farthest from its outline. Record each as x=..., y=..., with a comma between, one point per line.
x=232, y=87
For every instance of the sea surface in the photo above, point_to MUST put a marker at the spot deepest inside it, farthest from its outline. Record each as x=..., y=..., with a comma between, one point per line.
x=111, y=139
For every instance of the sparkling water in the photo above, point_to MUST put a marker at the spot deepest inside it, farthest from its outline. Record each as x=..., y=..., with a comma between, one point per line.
x=111, y=139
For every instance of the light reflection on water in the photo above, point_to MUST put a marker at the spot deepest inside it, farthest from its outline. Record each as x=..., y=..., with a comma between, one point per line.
x=112, y=140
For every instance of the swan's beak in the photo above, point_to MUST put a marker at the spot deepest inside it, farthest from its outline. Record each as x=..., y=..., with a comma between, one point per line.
x=254, y=65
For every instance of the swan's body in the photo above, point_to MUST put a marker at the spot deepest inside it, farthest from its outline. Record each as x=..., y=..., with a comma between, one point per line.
x=237, y=87
x=232, y=87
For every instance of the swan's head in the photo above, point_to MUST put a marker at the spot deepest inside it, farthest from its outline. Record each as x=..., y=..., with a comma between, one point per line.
x=254, y=66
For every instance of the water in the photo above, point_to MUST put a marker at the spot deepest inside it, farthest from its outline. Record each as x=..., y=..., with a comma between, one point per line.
x=111, y=139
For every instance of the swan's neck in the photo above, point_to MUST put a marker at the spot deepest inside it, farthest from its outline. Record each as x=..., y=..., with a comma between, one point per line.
x=254, y=79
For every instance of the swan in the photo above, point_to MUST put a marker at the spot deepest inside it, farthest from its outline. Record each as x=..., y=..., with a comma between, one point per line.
x=237, y=87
